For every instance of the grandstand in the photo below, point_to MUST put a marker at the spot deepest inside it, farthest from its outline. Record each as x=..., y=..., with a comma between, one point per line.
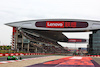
x=42, y=36
x=38, y=41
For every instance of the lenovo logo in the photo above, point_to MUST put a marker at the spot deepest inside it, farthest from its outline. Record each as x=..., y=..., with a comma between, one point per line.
x=55, y=24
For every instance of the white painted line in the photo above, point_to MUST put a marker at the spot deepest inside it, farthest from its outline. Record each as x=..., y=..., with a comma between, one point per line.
x=3, y=62
x=76, y=58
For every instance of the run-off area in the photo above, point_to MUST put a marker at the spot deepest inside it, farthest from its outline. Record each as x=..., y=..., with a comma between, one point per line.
x=55, y=61
x=69, y=62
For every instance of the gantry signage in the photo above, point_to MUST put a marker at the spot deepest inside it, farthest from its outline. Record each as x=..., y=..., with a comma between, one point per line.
x=61, y=24
x=76, y=40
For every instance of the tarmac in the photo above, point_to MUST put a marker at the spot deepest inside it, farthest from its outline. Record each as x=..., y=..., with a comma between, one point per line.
x=97, y=59
x=57, y=61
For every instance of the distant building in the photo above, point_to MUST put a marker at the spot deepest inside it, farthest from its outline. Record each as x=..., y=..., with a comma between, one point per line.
x=94, y=42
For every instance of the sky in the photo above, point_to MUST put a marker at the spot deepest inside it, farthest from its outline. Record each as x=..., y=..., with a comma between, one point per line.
x=19, y=10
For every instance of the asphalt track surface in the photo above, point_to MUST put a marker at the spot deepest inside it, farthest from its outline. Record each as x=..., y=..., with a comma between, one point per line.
x=69, y=62
x=97, y=59
x=23, y=57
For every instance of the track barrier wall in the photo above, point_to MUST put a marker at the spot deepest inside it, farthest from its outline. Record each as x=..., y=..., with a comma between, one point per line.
x=20, y=54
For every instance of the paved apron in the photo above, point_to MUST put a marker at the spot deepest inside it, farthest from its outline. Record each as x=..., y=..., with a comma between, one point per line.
x=69, y=62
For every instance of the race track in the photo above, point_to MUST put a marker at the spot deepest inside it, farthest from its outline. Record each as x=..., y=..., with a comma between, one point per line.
x=69, y=62
x=55, y=61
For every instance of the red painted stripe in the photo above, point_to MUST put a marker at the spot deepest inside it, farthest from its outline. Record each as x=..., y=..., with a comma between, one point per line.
x=73, y=61
x=57, y=61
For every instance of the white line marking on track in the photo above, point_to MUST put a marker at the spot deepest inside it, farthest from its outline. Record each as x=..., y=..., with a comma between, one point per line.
x=76, y=58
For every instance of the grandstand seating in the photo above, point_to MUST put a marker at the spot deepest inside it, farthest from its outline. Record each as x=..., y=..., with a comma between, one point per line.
x=49, y=48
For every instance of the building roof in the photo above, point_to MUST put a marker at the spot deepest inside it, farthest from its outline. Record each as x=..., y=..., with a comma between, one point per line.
x=58, y=24
x=53, y=28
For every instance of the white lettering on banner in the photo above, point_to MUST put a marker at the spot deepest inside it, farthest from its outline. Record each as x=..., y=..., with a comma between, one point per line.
x=54, y=24
x=1, y=54
x=6, y=54
x=16, y=54
x=12, y=54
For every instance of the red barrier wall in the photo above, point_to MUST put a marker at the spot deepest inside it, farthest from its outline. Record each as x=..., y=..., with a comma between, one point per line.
x=17, y=54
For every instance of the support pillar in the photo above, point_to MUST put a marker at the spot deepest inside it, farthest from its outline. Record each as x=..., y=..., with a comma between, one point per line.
x=28, y=48
x=22, y=43
x=36, y=49
x=16, y=39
